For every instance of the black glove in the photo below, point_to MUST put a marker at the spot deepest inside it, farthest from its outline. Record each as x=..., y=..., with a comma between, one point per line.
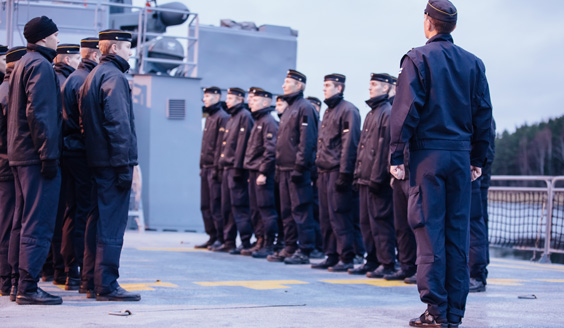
x=124, y=178
x=343, y=182
x=49, y=168
x=215, y=174
x=297, y=175
x=374, y=187
x=238, y=175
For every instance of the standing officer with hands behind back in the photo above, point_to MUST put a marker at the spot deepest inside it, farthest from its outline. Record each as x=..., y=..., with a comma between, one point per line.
x=443, y=109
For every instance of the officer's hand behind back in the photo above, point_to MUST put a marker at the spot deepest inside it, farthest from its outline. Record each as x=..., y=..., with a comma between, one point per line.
x=124, y=178
x=49, y=169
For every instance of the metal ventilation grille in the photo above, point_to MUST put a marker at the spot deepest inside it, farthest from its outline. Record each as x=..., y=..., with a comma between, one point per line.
x=176, y=109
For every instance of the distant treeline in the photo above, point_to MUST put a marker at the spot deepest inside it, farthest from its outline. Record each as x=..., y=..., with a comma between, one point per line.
x=536, y=149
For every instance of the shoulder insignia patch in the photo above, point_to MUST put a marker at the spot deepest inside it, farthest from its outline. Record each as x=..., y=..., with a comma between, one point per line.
x=304, y=121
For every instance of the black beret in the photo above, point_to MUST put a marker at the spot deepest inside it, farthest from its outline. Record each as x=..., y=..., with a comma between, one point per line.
x=15, y=53
x=3, y=50
x=382, y=77
x=89, y=43
x=67, y=48
x=442, y=10
x=259, y=92
x=236, y=91
x=213, y=90
x=114, y=35
x=39, y=28
x=314, y=101
x=293, y=74
x=335, y=77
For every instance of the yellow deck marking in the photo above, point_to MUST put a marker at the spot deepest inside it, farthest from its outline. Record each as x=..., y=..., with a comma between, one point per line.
x=172, y=249
x=551, y=280
x=505, y=282
x=254, y=284
x=140, y=286
x=372, y=282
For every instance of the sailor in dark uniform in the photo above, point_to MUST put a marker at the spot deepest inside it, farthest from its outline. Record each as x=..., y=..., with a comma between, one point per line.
x=106, y=112
x=295, y=149
x=280, y=107
x=336, y=154
x=373, y=180
x=3, y=51
x=210, y=185
x=34, y=149
x=67, y=60
x=479, y=245
x=259, y=160
x=77, y=188
x=443, y=109
x=9, y=247
x=234, y=186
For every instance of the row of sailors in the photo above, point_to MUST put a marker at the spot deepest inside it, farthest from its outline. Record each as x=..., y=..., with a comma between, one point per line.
x=67, y=151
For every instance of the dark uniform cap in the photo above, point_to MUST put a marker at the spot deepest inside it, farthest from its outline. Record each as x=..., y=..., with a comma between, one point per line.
x=335, y=77
x=394, y=80
x=15, y=53
x=39, y=28
x=114, y=35
x=67, y=48
x=236, y=91
x=89, y=43
x=280, y=97
x=3, y=50
x=442, y=10
x=314, y=101
x=252, y=89
x=258, y=92
x=382, y=77
x=293, y=74
x=213, y=90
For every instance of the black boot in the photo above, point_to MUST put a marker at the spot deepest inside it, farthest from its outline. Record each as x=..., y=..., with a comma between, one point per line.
x=363, y=269
x=325, y=264
x=258, y=246
x=119, y=295
x=38, y=297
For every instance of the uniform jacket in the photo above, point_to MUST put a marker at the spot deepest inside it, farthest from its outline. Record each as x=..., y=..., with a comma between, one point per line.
x=442, y=102
x=212, y=137
x=73, y=141
x=374, y=146
x=63, y=71
x=297, y=134
x=237, y=132
x=34, y=110
x=261, y=148
x=338, y=136
x=107, y=115
x=5, y=171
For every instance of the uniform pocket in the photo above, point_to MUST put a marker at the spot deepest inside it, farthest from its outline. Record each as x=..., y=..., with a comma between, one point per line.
x=265, y=196
x=415, y=215
x=239, y=192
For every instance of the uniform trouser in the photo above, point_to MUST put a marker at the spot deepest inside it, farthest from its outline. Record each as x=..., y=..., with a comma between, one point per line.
x=315, y=207
x=407, y=248
x=263, y=206
x=7, y=204
x=359, y=243
x=14, y=248
x=37, y=201
x=55, y=264
x=110, y=211
x=235, y=208
x=79, y=205
x=439, y=213
x=90, y=234
x=210, y=204
x=336, y=218
x=484, y=186
x=478, y=259
x=280, y=236
x=297, y=213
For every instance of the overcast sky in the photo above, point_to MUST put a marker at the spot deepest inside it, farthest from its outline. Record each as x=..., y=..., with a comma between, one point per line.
x=521, y=43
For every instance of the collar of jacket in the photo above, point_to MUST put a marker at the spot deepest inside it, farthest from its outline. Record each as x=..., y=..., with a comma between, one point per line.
x=8, y=73
x=87, y=64
x=235, y=109
x=333, y=101
x=290, y=98
x=376, y=101
x=441, y=37
x=48, y=53
x=260, y=113
x=64, y=69
x=212, y=109
x=121, y=63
